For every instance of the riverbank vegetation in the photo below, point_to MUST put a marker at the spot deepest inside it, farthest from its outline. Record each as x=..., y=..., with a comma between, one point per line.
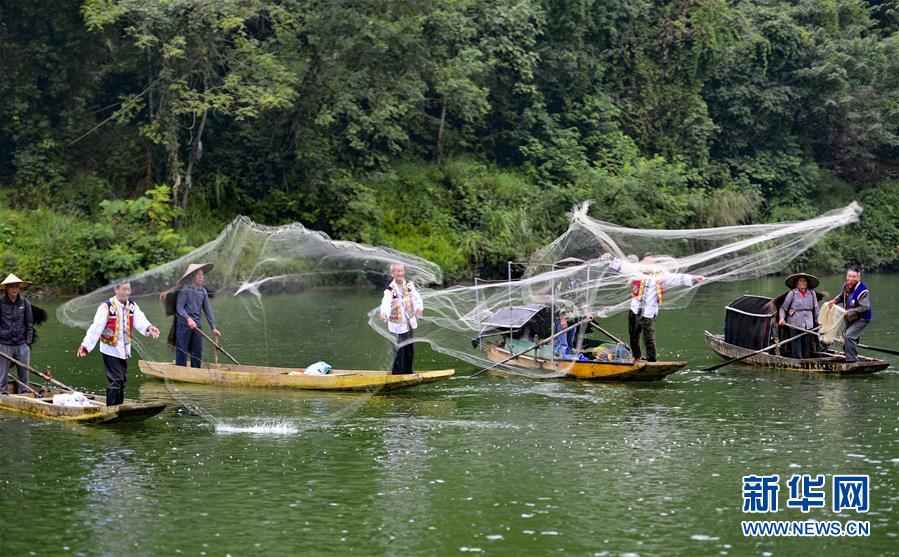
x=460, y=131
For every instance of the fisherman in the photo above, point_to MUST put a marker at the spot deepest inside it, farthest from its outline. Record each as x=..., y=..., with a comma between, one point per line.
x=192, y=298
x=401, y=305
x=114, y=322
x=570, y=288
x=562, y=343
x=856, y=300
x=16, y=330
x=647, y=290
x=800, y=309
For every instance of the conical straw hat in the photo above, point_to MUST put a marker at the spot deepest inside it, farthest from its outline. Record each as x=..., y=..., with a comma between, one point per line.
x=13, y=279
x=811, y=279
x=193, y=268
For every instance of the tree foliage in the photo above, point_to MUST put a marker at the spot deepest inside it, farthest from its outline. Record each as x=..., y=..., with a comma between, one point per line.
x=461, y=130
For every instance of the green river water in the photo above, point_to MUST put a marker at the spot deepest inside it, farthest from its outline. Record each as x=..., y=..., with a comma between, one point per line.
x=486, y=465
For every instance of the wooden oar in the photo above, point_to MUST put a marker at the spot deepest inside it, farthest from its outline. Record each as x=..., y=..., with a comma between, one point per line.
x=607, y=333
x=218, y=346
x=743, y=357
x=43, y=376
x=544, y=341
x=860, y=345
x=874, y=348
x=794, y=327
x=16, y=379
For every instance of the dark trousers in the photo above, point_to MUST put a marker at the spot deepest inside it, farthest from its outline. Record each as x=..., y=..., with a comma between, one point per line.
x=850, y=339
x=637, y=325
x=188, y=342
x=801, y=347
x=405, y=353
x=21, y=352
x=117, y=375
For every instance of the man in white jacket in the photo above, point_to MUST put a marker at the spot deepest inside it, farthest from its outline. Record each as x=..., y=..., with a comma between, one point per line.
x=114, y=322
x=401, y=305
x=647, y=285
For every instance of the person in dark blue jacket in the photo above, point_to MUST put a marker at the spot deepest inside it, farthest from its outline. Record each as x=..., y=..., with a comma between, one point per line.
x=192, y=299
x=856, y=300
x=16, y=330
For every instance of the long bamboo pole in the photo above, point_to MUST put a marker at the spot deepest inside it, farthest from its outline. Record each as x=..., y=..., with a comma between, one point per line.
x=607, y=333
x=36, y=372
x=218, y=346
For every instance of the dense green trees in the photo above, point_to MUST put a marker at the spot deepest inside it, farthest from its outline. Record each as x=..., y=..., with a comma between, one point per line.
x=460, y=130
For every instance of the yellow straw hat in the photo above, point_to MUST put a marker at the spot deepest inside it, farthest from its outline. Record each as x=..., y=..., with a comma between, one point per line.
x=13, y=279
x=193, y=268
x=811, y=279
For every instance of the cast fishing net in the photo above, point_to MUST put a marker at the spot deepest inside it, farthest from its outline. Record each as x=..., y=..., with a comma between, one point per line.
x=831, y=320
x=571, y=274
x=283, y=296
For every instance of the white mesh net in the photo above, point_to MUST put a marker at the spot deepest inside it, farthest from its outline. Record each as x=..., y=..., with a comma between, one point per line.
x=571, y=274
x=831, y=320
x=282, y=298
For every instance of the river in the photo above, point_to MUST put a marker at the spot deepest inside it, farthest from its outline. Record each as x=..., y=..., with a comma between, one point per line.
x=485, y=465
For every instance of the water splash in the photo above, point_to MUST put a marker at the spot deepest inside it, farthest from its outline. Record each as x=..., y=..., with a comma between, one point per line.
x=258, y=428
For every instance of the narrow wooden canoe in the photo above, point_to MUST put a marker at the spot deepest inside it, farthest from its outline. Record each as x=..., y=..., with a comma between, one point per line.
x=96, y=413
x=289, y=378
x=826, y=362
x=624, y=370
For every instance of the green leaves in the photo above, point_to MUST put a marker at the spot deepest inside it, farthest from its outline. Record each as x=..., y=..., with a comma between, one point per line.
x=199, y=57
x=72, y=252
x=489, y=119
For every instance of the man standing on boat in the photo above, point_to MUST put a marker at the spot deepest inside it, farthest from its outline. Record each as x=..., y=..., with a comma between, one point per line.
x=856, y=300
x=800, y=309
x=16, y=330
x=401, y=305
x=192, y=298
x=114, y=322
x=647, y=291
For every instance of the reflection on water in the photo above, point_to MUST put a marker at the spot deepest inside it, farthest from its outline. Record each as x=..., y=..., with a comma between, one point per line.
x=404, y=499
x=484, y=465
x=119, y=486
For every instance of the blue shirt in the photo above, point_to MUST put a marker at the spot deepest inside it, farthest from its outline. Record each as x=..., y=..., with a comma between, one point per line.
x=562, y=348
x=190, y=301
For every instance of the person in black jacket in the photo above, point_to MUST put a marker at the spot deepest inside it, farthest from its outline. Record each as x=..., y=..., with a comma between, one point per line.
x=16, y=330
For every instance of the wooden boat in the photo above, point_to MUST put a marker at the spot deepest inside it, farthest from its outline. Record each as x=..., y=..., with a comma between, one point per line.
x=615, y=370
x=289, y=378
x=824, y=362
x=509, y=327
x=750, y=324
x=96, y=413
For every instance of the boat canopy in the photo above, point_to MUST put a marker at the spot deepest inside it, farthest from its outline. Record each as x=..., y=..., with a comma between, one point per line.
x=748, y=321
x=513, y=317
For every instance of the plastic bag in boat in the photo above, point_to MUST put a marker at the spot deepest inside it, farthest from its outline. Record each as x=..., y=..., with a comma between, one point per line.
x=71, y=399
x=610, y=351
x=318, y=368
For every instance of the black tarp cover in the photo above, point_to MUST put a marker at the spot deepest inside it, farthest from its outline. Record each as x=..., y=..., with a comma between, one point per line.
x=748, y=321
